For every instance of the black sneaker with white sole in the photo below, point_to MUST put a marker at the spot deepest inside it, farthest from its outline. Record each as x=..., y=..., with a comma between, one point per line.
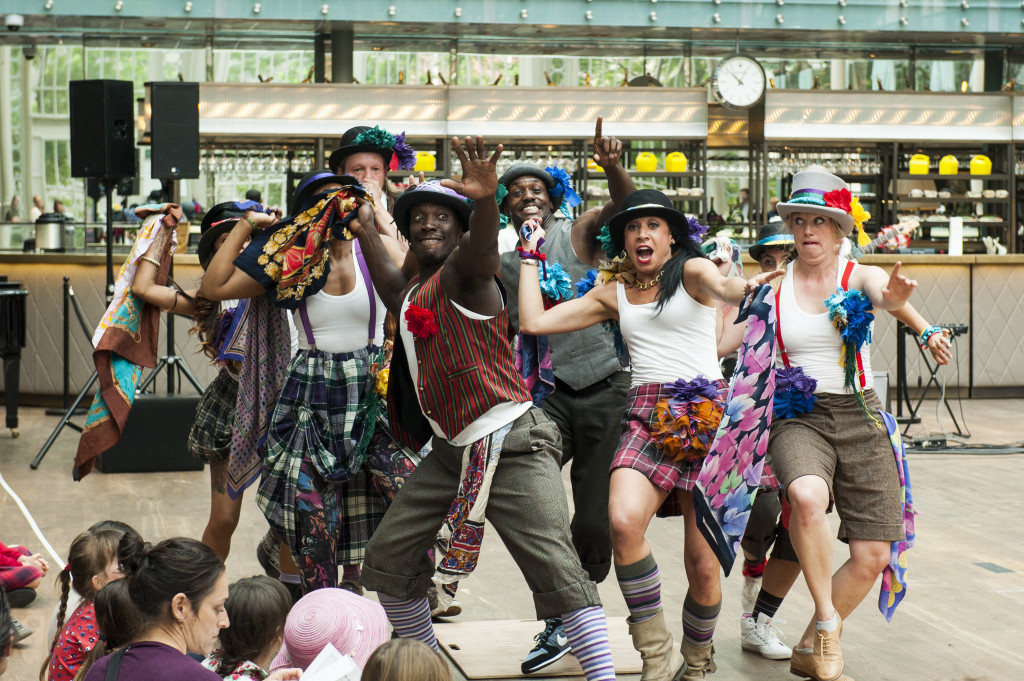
x=552, y=644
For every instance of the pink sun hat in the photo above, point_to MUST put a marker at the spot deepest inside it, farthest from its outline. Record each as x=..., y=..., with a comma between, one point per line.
x=355, y=625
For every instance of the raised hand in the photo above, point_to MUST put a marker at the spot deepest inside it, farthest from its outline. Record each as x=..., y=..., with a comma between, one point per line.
x=898, y=287
x=479, y=173
x=364, y=218
x=260, y=220
x=532, y=228
x=607, y=150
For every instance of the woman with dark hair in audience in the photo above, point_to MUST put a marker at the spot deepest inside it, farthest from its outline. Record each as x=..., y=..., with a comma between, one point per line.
x=179, y=588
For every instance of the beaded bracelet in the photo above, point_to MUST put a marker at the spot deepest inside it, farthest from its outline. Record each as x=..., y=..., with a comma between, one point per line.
x=541, y=258
x=152, y=260
x=927, y=334
x=252, y=222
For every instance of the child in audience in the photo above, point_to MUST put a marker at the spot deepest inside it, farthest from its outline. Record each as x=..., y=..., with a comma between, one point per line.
x=354, y=625
x=118, y=620
x=406, y=659
x=92, y=564
x=21, y=572
x=257, y=608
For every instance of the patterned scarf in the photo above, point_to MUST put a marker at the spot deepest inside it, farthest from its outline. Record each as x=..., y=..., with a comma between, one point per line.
x=462, y=533
x=125, y=341
x=259, y=338
x=292, y=256
x=894, y=577
x=731, y=473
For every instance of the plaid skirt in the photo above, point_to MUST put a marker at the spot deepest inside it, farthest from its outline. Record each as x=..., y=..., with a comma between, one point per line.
x=638, y=449
x=319, y=418
x=209, y=439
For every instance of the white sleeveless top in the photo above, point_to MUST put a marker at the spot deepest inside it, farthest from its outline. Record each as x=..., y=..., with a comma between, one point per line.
x=679, y=342
x=812, y=342
x=340, y=322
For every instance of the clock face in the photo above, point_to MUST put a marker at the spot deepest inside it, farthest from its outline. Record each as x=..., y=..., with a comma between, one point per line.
x=739, y=81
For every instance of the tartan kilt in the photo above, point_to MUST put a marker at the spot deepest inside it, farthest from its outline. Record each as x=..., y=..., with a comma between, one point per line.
x=319, y=417
x=209, y=439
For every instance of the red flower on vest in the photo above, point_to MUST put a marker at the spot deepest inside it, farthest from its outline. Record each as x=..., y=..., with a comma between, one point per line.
x=422, y=323
x=839, y=198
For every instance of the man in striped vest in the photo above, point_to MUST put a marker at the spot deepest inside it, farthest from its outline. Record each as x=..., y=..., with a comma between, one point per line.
x=493, y=449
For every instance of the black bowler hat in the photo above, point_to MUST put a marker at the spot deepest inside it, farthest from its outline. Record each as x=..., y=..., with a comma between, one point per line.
x=647, y=202
x=772, y=235
x=218, y=220
x=347, y=147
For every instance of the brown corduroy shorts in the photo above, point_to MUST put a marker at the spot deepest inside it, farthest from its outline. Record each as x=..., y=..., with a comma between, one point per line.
x=839, y=444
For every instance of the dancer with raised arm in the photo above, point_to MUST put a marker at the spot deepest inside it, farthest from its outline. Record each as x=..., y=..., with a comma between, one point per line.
x=662, y=296
x=495, y=455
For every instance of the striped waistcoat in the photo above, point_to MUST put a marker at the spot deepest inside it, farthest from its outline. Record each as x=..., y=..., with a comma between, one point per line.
x=467, y=367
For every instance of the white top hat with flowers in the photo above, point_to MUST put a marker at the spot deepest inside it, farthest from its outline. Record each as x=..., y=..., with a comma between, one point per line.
x=820, y=192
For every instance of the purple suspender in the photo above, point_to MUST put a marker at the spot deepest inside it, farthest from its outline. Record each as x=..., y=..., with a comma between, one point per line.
x=365, y=272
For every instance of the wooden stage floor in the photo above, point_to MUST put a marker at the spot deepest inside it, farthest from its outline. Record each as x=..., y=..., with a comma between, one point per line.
x=960, y=619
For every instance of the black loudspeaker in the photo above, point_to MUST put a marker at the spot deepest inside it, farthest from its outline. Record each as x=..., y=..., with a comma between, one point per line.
x=102, y=128
x=96, y=188
x=175, y=130
x=155, y=437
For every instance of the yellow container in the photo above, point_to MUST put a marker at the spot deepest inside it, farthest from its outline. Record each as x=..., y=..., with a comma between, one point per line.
x=646, y=162
x=425, y=161
x=592, y=165
x=948, y=165
x=676, y=162
x=918, y=164
x=981, y=165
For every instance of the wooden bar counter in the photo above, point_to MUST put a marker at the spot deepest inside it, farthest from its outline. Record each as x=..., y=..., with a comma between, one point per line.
x=986, y=292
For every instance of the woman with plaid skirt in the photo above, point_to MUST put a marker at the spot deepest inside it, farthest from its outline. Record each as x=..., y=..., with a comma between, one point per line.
x=331, y=467
x=220, y=435
x=661, y=293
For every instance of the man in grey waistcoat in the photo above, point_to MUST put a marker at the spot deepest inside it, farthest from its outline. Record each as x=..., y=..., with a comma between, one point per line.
x=590, y=383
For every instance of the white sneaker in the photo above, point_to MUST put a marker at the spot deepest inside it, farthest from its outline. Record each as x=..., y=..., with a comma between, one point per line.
x=760, y=637
x=751, y=587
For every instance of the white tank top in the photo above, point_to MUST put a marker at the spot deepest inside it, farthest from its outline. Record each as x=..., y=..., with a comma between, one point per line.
x=812, y=342
x=679, y=342
x=340, y=323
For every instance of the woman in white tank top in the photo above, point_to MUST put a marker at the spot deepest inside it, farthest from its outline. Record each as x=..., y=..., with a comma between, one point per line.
x=663, y=301
x=320, y=494
x=837, y=452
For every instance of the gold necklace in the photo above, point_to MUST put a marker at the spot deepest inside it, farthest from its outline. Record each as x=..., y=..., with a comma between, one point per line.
x=643, y=287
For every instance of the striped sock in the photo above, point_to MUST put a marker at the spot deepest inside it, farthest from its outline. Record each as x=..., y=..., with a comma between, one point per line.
x=587, y=632
x=640, y=583
x=699, y=621
x=766, y=603
x=410, y=618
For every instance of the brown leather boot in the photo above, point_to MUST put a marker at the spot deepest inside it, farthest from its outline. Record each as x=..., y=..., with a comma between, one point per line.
x=699, y=662
x=653, y=641
x=825, y=661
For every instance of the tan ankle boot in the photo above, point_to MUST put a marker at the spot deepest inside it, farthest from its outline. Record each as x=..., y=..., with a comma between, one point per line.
x=699, y=662
x=653, y=641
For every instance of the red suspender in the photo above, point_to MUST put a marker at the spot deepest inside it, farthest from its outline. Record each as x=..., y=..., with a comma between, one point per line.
x=778, y=326
x=778, y=323
x=846, y=287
